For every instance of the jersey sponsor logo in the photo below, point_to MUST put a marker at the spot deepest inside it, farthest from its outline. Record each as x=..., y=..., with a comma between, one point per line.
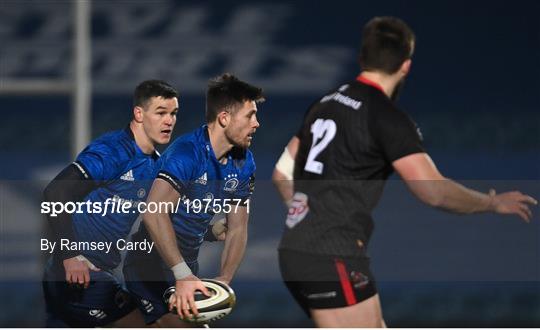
x=343, y=99
x=232, y=183
x=359, y=280
x=97, y=313
x=203, y=179
x=322, y=295
x=128, y=176
x=141, y=193
x=298, y=210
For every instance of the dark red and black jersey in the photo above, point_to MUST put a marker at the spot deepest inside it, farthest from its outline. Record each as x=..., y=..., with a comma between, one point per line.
x=348, y=141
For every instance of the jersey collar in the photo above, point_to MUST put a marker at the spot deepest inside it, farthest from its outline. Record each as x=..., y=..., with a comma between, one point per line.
x=371, y=83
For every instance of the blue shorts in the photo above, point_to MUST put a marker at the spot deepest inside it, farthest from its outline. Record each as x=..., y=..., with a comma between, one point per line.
x=102, y=303
x=147, y=278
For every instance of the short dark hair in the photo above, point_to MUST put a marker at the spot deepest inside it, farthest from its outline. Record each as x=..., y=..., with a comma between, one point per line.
x=150, y=88
x=225, y=92
x=387, y=42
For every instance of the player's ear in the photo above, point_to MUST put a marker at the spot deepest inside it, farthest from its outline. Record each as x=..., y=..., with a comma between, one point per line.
x=138, y=114
x=223, y=118
x=405, y=67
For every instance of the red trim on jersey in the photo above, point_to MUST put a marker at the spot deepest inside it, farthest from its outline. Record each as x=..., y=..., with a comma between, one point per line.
x=366, y=81
x=345, y=283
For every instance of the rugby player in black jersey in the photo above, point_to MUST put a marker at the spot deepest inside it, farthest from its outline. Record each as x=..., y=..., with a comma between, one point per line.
x=350, y=142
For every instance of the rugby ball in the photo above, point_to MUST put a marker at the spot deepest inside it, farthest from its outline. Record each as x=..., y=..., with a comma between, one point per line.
x=218, y=305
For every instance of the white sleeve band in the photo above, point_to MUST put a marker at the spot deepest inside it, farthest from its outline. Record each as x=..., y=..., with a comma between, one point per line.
x=181, y=270
x=90, y=265
x=285, y=164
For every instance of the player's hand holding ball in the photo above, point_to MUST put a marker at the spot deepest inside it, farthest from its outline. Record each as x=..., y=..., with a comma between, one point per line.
x=183, y=297
x=77, y=270
x=218, y=304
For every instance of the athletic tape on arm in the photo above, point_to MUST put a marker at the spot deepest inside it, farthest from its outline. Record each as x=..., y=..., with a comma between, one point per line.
x=285, y=164
x=181, y=270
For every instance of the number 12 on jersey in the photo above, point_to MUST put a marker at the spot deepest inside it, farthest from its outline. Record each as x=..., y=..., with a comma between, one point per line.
x=323, y=130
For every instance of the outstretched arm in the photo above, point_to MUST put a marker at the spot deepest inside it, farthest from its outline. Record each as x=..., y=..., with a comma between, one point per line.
x=431, y=187
x=282, y=177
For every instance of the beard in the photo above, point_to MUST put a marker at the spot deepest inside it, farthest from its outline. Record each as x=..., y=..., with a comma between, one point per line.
x=397, y=90
x=236, y=140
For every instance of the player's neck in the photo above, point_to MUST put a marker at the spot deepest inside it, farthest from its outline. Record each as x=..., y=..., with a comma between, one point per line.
x=387, y=82
x=141, y=139
x=220, y=143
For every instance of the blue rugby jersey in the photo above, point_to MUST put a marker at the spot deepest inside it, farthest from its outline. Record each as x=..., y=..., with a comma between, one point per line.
x=124, y=174
x=190, y=166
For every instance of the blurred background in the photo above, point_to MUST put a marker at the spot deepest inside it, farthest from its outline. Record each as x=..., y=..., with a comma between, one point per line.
x=474, y=91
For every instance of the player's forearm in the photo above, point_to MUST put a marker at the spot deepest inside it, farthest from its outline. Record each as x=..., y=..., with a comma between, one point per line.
x=162, y=233
x=454, y=197
x=282, y=177
x=233, y=251
x=61, y=224
x=284, y=186
x=68, y=186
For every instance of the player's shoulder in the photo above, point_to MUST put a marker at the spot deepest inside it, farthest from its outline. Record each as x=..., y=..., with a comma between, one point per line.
x=185, y=147
x=389, y=118
x=114, y=144
x=378, y=104
x=384, y=109
x=180, y=149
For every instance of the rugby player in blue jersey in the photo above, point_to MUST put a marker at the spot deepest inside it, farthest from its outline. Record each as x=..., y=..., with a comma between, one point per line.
x=202, y=173
x=80, y=288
